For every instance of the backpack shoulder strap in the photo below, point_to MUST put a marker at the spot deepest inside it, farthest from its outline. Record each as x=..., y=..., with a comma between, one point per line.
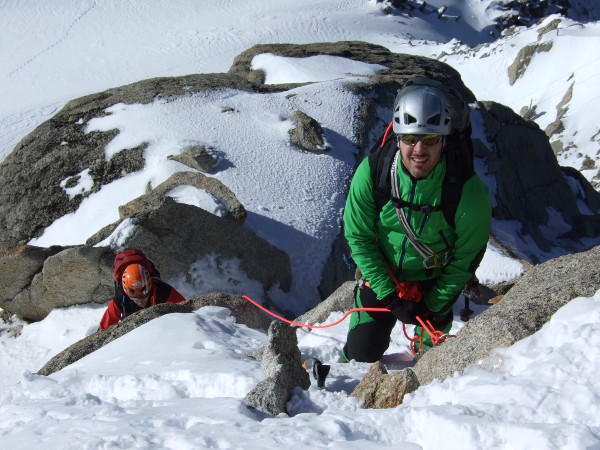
x=163, y=290
x=459, y=168
x=381, y=158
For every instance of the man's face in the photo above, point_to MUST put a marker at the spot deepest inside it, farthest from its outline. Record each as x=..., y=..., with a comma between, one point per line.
x=141, y=301
x=420, y=158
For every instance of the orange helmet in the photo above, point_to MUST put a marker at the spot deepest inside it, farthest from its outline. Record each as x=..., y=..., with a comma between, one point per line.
x=136, y=281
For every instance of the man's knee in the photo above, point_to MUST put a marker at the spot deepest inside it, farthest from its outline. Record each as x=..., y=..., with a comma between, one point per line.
x=367, y=342
x=361, y=353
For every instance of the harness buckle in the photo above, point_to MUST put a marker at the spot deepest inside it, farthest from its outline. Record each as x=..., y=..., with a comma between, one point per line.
x=439, y=260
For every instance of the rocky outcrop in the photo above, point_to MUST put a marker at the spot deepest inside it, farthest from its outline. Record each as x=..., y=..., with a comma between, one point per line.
x=232, y=209
x=63, y=151
x=173, y=235
x=244, y=313
x=523, y=58
x=518, y=13
x=507, y=14
x=282, y=371
x=530, y=188
x=522, y=311
x=31, y=196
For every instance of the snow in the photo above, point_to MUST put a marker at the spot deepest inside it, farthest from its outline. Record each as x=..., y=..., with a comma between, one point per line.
x=178, y=382
x=280, y=70
x=156, y=389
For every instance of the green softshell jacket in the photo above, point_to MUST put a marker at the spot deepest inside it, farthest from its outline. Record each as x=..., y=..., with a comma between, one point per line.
x=364, y=228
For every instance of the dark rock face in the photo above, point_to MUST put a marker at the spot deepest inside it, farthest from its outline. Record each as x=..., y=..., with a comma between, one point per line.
x=530, y=186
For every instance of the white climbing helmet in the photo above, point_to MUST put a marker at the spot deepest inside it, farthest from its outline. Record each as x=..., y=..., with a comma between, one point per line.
x=421, y=110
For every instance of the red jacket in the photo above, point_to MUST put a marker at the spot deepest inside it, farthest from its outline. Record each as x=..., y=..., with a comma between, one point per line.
x=161, y=293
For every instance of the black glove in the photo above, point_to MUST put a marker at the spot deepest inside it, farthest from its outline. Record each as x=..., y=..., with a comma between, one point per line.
x=441, y=320
x=404, y=310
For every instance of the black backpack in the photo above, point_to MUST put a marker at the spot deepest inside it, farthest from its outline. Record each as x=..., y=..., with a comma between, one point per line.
x=458, y=153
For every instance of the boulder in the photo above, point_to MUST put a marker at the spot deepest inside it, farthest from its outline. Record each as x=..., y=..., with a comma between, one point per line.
x=306, y=133
x=282, y=371
x=175, y=235
x=379, y=390
x=198, y=157
x=66, y=277
x=18, y=266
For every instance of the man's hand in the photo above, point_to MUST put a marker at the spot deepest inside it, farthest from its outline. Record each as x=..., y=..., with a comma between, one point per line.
x=407, y=312
x=404, y=310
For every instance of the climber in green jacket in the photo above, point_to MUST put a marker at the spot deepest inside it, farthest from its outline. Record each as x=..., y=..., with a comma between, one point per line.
x=411, y=260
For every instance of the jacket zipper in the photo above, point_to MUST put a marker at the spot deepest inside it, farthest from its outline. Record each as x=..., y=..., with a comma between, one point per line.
x=425, y=220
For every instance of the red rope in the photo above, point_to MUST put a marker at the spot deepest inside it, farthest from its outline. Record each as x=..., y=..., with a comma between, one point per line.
x=436, y=336
x=314, y=326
